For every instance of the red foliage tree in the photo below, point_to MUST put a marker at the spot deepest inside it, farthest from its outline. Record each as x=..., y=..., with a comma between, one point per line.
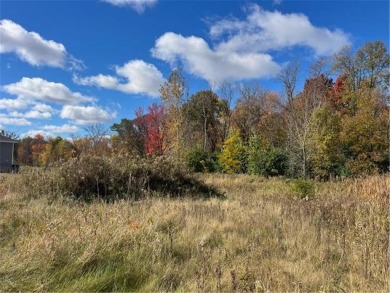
x=337, y=94
x=155, y=122
x=150, y=128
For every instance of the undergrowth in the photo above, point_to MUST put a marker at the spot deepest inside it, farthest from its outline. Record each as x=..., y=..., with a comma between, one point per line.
x=113, y=178
x=260, y=238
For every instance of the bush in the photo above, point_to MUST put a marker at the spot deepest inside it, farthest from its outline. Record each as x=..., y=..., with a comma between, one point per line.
x=201, y=161
x=119, y=177
x=304, y=189
x=264, y=159
x=271, y=162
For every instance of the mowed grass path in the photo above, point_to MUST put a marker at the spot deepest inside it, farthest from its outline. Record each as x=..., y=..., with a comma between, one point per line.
x=259, y=238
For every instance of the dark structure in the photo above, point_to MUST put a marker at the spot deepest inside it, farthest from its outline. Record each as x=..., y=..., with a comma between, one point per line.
x=7, y=159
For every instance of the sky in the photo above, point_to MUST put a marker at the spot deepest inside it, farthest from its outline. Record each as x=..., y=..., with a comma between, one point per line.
x=66, y=65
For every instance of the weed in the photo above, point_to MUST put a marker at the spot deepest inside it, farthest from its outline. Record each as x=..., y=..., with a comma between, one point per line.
x=258, y=238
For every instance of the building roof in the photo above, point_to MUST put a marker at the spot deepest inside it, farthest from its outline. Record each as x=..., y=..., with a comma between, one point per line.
x=7, y=139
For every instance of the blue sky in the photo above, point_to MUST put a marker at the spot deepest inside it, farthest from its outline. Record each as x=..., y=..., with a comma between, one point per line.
x=65, y=65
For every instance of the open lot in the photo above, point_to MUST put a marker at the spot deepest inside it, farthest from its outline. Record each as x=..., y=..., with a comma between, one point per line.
x=260, y=237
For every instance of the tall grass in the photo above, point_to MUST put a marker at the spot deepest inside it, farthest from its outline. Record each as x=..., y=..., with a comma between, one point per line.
x=260, y=238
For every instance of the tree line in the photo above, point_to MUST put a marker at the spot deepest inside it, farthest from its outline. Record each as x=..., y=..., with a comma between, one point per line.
x=329, y=128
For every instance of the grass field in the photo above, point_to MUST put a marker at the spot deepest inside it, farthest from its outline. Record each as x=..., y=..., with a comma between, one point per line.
x=261, y=237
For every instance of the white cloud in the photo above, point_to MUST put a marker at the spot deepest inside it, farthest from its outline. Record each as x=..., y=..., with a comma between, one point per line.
x=13, y=104
x=43, y=108
x=66, y=128
x=33, y=49
x=38, y=115
x=242, y=48
x=104, y=81
x=4, y=120
x=38, y=111
x=86, y=115
x=33, y=114
x=141, y=78
x=48, y=131
x=43, y=90
x=32, y=133
x=137, y=5
x=265, y=30
x=215, y=66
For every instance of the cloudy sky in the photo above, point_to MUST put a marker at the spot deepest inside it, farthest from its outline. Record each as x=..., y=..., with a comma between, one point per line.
x=65, y=65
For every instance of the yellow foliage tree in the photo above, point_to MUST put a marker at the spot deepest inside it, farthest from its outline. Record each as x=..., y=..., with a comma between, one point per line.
x=365, y=135
x=232, y=157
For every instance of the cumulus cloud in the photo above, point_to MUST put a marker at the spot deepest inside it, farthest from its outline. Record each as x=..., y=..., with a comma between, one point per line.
x=53, y=130
x=242, y=49
x=213, y=65
x=42, y=90
x=265, y=30
x=33, y=49
x=48, y=131
x=32, y=133
x=43, y=108
x=13, y=104
x=100, y=80
x=86, y=114
x=38, y=111
x=140, y=78
x=66, y=128
x=33, y=114
x=38, y=115
x=5, y=120
x=137, y=5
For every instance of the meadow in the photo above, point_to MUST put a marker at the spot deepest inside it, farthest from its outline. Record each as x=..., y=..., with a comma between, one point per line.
x=261, y=236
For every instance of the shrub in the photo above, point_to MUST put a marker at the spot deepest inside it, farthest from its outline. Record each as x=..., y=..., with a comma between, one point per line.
x=201, y=161
x=264, y=159
x=119, y=177
x=304, y=189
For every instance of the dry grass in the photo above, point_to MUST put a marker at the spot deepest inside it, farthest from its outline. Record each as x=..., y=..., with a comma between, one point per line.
x=260, y=238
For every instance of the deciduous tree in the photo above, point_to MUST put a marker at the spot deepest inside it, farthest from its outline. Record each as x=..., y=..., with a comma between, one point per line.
x=299, y=115
x=325, y=153
x=174, y=93
x=130, y=139
x=25, y=156
x=365, y=135
x=233, y=155
x=204, y=111
x=38, y=146
x=370, y=65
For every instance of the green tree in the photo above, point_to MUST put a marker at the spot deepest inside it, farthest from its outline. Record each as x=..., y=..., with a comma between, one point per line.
x=264, y=159
x=130, y=137
x=57, y=150
x=204, y=110
x=324, y=142
x=201, y=161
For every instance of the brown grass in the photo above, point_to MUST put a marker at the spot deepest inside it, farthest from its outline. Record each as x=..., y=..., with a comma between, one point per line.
x=260, y=238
